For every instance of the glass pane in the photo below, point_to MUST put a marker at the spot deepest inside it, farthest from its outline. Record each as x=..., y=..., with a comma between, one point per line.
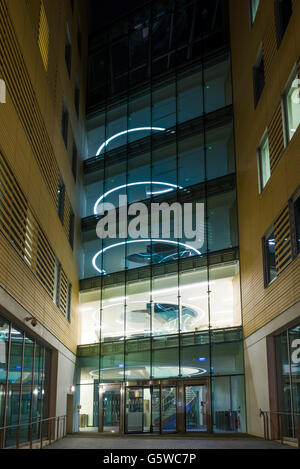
x=195, y=355
x=254, y=8
x=224, y=285
x=147, y=410
x=271, y=262
x=265, y=163
x=165, y=309
x=26, y=387
x=228, y=404
x=37, y=389
x=222, y=418
x=294, y=343
x=195, y=408
x=293, y=107
x=297, y=218
x=88, y=402
x=156, y=410
x=137, y=359
x=4, y=337
x=168, y=409
x=112, y=362
x=134, y=410
x=165, y=357
x=111, y=410
x=14, y=382
x=226, y=354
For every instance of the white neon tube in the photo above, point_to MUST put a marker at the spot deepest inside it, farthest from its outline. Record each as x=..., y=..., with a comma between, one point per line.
x=124, y=132
x=140, y=183
x=177, y=243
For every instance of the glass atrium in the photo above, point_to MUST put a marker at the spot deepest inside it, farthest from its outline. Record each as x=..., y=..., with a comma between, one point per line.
x=161, y=322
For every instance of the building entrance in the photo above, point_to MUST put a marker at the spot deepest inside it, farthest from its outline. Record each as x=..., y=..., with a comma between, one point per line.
x=156, y=408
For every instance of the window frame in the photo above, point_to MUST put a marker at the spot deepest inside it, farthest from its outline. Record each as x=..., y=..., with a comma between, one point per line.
x=259, y=161
x=65, y=118
x=74, y=160
x=56, y=283
x=68, y=51
x=61, y=195
x=255, y=68
x=252, y=19
x=278, y=22
x=284, y=106
x=295, y=235
x=265, y=252
x=69, y=302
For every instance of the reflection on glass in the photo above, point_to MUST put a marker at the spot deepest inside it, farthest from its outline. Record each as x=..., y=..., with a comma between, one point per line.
x=4, y=337
x=195, y=408
x=288, y=384
x=111, y=410
x=228, y=404
x=168, y=409
x=165, y=357
x=147, y=410
x=137, y=359
x=14, y=385
x=156, y=409
x=88, y=412
x=134, y=410
x=293, y=107
x=26, y=388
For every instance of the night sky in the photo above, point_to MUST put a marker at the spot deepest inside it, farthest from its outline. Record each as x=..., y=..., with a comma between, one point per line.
x=104, y=12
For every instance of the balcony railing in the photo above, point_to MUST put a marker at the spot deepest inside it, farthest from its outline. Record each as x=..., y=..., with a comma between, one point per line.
x=281, y=426
x=41, y=432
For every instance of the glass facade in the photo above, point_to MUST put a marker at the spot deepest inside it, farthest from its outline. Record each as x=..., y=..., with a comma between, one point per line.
x=288, y=379
x=160, y=130
x=24, y=385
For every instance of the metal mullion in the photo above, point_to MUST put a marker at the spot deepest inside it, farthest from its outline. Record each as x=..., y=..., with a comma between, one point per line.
x=42, y=385
x=101, y=241
x=191, y=38
x=126, y=182
x=179, y=305
x=151, y=195
x=31, y=394
x=20, y=393
x=206, y=207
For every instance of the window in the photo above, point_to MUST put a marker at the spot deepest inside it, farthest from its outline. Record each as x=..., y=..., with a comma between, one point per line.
x=61, y=199
x=269, y=245
x=283, y=13
x=65, y=123
x=77, y=98
x=68, y=51
x=79, y=36
x=74, y=161
x=264, y=169
x=71, y=228
x=68, y=306
x=258, y=77
x=254, y=4
x=291, y=107
x=296, y=204
x=56, y=289
x=43, y=36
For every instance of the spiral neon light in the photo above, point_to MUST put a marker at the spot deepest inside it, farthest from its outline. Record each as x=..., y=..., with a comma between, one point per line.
x=102, y=251
x=141, y=183
x=124, y=132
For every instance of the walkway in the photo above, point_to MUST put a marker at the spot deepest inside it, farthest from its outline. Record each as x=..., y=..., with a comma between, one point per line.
x=178, y=443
